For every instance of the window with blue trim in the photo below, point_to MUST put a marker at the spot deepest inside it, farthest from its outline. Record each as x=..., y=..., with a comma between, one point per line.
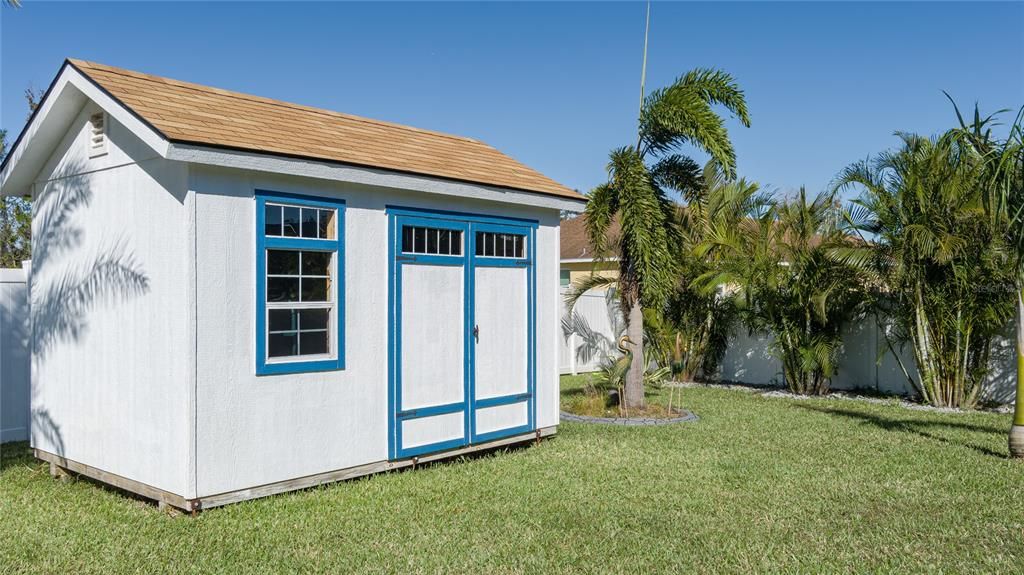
x=300, y=319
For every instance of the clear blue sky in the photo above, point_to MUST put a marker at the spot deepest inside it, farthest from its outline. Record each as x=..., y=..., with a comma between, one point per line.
x=556, y=85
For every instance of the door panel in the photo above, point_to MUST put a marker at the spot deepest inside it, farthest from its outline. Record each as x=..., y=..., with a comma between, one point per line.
x=502, y=268
x=433, y=429
x=501, y=343
x=433, y=320
x=501, y=417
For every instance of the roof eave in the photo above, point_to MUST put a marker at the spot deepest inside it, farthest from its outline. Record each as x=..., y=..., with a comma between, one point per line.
x=365, y=175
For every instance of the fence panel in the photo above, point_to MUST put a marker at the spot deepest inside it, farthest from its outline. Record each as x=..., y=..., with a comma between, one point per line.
x=590, y=332
x=14, y=356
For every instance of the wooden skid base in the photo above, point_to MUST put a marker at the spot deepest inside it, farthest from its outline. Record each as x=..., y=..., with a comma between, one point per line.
x=60, y=465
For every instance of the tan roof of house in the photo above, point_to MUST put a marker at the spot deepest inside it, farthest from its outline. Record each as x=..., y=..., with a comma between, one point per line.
x=190, y=113
x=576, y=243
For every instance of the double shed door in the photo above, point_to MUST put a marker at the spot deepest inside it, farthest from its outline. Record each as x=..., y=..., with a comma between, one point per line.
x=462, y=339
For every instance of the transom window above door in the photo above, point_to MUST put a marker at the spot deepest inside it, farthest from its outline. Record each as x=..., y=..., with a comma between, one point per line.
x=500, y=245
x=431, y=241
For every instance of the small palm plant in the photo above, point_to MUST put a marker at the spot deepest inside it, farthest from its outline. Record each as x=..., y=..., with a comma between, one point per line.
x=613, y=374
x=616, y=356
x=695, y=324
x=779, y=263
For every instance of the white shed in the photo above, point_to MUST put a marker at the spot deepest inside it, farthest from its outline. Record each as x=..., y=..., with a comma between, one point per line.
x=234, y=296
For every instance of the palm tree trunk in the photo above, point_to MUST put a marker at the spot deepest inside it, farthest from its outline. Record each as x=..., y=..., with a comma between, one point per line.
x=1017, y=431
x=634, y=391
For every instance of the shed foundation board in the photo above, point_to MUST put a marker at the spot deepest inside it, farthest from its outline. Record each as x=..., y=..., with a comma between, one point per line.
x=59, y=464
x=165, y=498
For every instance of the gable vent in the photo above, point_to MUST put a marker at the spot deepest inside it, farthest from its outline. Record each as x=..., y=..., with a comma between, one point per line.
x=97, y=134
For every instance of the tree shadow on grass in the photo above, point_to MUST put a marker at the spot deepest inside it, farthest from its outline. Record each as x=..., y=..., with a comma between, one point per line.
x=921, y=428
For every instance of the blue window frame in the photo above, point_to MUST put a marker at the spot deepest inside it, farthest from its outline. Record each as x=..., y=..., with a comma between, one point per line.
x=300, y=283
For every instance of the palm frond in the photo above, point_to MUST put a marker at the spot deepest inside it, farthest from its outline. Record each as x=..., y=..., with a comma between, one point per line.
x=585, y=284
x=679, y=173
x=682, y=114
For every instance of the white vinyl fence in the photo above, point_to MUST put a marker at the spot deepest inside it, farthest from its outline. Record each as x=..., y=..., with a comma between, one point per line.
x=14, y=355
x=866, y=364
x=590, y=333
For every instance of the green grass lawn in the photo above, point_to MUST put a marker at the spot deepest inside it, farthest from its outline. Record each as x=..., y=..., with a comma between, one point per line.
x=758, y=484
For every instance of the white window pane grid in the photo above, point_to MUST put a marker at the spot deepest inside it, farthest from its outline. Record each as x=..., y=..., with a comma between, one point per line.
x=288, y=221
x=500, y=245
x=431, y=241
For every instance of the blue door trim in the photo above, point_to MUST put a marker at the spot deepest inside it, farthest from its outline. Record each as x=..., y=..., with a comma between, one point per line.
x=431, y=448
x=418, y=412
x=398, y=261
x=463, y=216
x=469, y=223
x=503, y=400
x=490, y=436
x=528, y=262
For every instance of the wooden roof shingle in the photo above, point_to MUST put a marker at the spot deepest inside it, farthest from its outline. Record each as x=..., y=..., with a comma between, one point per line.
x=191, y=113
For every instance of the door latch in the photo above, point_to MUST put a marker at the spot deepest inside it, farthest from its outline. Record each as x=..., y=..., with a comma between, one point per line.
x=476, y=333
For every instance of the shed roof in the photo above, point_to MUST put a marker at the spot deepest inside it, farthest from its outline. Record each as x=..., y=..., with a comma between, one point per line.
x=194, y=114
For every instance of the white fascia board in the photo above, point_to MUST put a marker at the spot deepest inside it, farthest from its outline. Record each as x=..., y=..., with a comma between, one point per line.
x=39, y=137
x=585, y=260
x=63, y=101
x=363, y=175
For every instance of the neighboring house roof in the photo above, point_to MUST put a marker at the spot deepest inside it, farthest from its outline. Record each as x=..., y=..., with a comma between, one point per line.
x=192, y=114
x=576, y=242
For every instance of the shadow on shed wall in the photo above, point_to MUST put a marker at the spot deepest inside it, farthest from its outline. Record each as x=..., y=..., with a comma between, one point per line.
x=77, y=284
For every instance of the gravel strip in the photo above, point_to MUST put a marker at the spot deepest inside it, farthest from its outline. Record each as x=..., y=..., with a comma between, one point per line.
x=628, y=421
x=774, y=392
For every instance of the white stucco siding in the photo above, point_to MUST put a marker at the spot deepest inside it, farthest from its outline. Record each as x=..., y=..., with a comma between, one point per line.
x=252, y=430
x=111, y=337
x=548, y=321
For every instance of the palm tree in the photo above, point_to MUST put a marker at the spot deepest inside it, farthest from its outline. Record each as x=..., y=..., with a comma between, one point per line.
x=779, y=263
x=692, y=331
x=640, y=179
x=1003, y=180
x=939, y=258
